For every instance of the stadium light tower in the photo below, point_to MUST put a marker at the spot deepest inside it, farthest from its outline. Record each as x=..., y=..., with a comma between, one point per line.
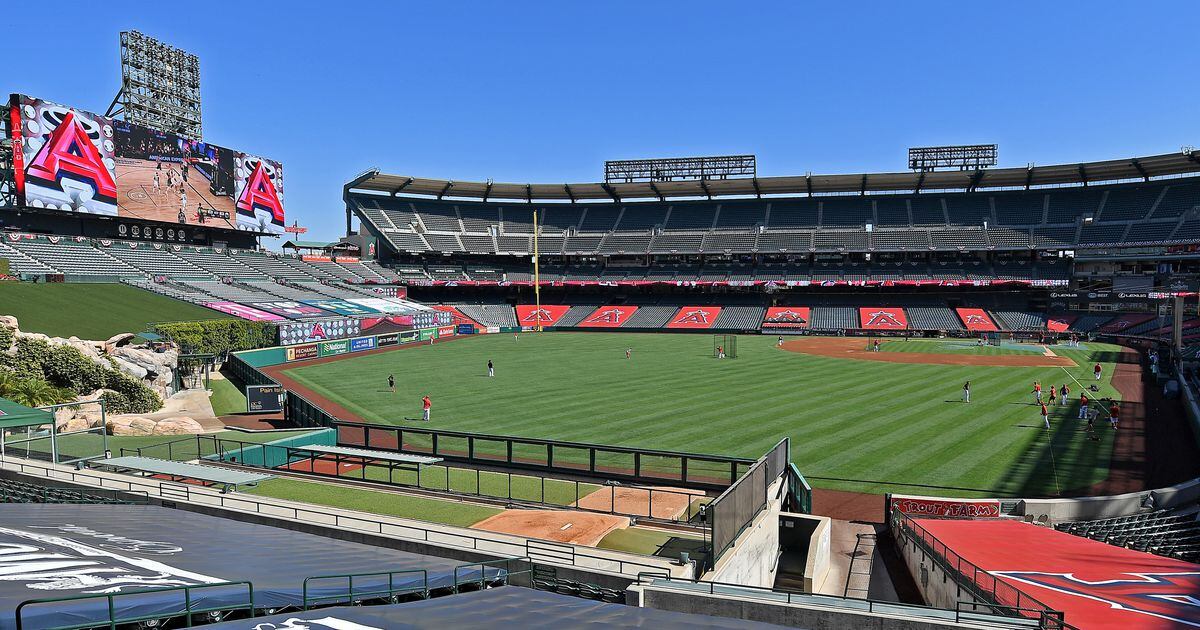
x=160, y=86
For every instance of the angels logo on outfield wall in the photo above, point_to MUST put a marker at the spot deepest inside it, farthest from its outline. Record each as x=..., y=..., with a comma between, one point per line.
x=66, y=158
x=291, y=333
x=46, y=562
x=1168, y=596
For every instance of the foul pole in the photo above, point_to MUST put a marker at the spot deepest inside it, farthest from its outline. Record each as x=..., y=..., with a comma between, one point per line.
x=537, y=285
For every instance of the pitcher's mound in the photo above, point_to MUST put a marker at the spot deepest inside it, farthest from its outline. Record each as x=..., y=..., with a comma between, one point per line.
x=567, y=526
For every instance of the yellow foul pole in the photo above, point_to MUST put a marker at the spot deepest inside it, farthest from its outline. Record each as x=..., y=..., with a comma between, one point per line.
x=537, y=289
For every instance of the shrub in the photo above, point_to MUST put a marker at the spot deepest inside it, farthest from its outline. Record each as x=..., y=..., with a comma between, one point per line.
x=218, y=336
x=6, y=338
x=66, y=367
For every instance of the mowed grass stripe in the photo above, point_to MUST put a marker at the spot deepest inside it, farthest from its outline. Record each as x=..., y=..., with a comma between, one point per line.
x=864, y=421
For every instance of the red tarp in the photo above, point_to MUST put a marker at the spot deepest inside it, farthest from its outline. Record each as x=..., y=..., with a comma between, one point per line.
x=1060, y=323
x=1123, y=322
x=787, y=317
x=695, y=317
x=976, y=320
x=529, y=315
x=883, y=318
x=1094, y=584
x=608, y=317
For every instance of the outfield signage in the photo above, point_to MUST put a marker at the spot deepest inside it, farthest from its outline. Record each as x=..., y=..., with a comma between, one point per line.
x=291, y=333
x=264, y=398
x=445, y=331
x=342, y=307
x=949, y=508
x=787, y=317
x=608, y=317
x=244, y=312
x=362, y=343
x=389, y=339
x=409, y=336
x=882, y=318
x=695, y=317
x=291, y=309
x=300, y=353
x=976, y=320
x=530, y=315
x=331, y=348
x=425, y=334
x=464, y=329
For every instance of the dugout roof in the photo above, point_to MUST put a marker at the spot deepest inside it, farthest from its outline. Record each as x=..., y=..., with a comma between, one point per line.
x=1082, y=173
x=87, y=549
x=503, y=607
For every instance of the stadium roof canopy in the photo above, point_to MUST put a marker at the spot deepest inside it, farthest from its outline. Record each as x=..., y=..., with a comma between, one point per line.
x=14, y=415
x=1083, y=173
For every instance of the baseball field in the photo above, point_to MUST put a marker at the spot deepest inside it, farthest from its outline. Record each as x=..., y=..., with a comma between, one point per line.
x=862, y=421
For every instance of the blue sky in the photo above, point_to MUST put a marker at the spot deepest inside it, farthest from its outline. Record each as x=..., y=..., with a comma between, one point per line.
x=545, y=92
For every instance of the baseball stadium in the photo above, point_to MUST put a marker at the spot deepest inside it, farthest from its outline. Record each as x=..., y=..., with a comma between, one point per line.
x=955, y=395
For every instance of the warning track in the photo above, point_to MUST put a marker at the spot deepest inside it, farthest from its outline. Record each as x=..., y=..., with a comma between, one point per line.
x=856, y=348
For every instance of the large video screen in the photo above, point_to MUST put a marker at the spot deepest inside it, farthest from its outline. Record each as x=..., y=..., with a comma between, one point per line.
x=73, y=160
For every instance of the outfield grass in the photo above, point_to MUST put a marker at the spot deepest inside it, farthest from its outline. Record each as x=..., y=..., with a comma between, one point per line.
x=92, y=311
x=641, y=540
x=226, y=398
x=854, y=425
x=373, y=502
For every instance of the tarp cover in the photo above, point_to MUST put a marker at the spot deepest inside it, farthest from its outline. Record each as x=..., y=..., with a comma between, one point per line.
x=49, y=551
x=608, y=317
x=548, y=314
x=503, y=607
x=695, y=317
x=786, y=317
x=883, y=318
x=976, y=320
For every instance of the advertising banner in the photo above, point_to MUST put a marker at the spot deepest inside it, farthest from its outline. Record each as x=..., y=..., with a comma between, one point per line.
x=243, y=311
x=291, y=309
x=342, y=307
x=291, y=333
x=976, y=320
x=362, y=343
x=408, y=336
x=465, y=329
x=389, y=339
x=445, y=331
x=952, y=508
x=264, y=398
x=608, y=317
x=331, y=348
x=695, y=317
x=882, y=318
x=427, y=334
x=787, y=317
x=300, y=353
x=382, y=305
x=529, y=315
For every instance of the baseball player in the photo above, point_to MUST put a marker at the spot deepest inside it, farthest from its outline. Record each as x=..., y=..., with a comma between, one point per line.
x=628, y=352
x=491, y=369
x=1062, y=394
x=1097, y=371
x=425, y=405
x=392, y=383
x=779, y=341
x=967, y=392
x=1051, y=395
x=1045, y=415
x=720, y=352
x=1114, y=413
x=1037, y=392
x=876, y=346
x=1083, y=406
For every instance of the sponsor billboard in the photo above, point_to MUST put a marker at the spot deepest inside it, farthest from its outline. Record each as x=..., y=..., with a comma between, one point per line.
x=264, y=398
x=72, y=160
x=445, y=331
x=465, y=329
x=695, y=317
x=300, y=353
x=362, y=343
x=291, y=333
x=389, y=339
x=787, y=317
x=408, y=336
x=427, y=334
x=243, y=311
x=976, y=320
x=290, y=309
x=951, y=508
x=529, y=315
x=608, y=317
x=882, y=318
x=331, y=348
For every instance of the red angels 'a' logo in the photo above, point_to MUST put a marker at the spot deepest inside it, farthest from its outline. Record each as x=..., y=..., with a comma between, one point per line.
x=1168, y=596
x=606, y=316
x=318, y=331
x=698, y=316
x=976, y=319
x=788, y=316
x=883, y=319
x=538, y=315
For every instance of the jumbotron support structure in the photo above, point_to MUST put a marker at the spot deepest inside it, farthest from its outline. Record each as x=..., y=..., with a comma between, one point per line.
x=160, y=86
x=672, y=169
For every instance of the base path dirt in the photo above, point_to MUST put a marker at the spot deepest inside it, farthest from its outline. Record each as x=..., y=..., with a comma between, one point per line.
x=661, y=503
x=856, y=348
x=566, y=526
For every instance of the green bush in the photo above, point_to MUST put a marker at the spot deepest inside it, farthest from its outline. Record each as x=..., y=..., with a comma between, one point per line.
x=6, y=338
x=217, y=336
x=67, y=367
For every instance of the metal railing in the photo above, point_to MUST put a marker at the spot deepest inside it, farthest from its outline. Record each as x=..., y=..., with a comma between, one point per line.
x=114, y=621
x=738, y=506
x=962, y=612
x=981, y=584
x=548, y=552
